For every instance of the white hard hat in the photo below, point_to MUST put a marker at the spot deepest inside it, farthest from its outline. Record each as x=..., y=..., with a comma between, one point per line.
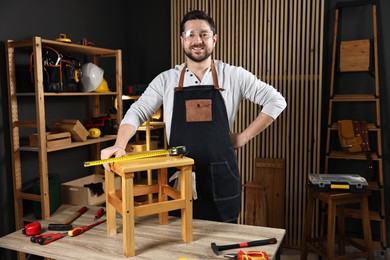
x=91, y=76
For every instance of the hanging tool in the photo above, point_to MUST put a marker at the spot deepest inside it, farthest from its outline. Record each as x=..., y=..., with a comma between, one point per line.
x=77, y=231
x=262, y=242
x=249, y=255
x=99, y=214
x=178, y=150
x=65, y=225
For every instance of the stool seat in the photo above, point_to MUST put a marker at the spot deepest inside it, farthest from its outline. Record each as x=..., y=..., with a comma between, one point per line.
x=122, y=201
x=336, y=202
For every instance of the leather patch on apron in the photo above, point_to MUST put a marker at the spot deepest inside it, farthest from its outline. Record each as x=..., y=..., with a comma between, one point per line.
x=199, y=110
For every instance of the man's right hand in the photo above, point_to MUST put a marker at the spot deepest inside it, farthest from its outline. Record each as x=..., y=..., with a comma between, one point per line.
x=112, y=151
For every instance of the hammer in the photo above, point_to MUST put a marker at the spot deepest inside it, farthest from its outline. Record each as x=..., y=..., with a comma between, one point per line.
x=262, y=242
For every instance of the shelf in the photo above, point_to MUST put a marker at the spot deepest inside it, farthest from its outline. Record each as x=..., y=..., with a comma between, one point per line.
x=68, y=47
x=68, y=94
x=37, y=118
x=370, y=127
x=358, y=103
x=354, y=98
x=352, y=156
x=71, y=145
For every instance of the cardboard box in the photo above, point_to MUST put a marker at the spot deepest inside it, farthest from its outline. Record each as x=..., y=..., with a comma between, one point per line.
x=75, y=127
x=140, y=146
x=74, y=192
x=52, y=139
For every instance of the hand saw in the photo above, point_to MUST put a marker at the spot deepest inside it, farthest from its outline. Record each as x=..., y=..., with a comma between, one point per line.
x=177, y=150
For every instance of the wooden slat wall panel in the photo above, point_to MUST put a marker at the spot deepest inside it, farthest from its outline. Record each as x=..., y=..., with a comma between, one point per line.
x=281, y=42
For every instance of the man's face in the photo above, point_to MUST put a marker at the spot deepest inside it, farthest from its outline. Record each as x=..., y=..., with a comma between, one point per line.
x=198, y=40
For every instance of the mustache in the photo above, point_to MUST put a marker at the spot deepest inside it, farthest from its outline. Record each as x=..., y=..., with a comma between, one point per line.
x=197, y=46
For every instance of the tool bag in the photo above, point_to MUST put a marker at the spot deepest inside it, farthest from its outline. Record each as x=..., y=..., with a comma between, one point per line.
x=60, y=71
x=353, y=137
x=104, y=123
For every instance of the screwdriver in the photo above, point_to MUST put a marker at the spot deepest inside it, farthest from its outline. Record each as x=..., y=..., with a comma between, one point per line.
x=77, y=231
x=99, y=214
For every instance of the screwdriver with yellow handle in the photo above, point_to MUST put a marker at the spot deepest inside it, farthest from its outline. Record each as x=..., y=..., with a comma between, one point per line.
x=77, y=231
x=51, y=237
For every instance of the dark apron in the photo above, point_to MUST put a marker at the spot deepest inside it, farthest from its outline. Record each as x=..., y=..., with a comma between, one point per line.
x=199, y=122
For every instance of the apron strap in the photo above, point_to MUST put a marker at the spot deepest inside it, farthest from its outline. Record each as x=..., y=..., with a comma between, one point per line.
x=213, y=73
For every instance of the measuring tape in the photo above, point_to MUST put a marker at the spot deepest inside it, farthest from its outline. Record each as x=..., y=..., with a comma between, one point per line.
x=178, y=150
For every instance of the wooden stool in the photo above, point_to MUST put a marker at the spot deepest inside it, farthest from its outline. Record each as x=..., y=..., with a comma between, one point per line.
x=123, y=200
x=336, y=203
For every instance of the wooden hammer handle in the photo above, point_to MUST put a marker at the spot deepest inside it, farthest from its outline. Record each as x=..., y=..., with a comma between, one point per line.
x=75, y=215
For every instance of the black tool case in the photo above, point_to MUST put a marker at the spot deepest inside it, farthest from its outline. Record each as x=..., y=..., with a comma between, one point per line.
x=328, y=182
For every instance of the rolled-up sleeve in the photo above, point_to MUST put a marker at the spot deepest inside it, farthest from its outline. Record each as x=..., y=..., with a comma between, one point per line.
x=271, y=101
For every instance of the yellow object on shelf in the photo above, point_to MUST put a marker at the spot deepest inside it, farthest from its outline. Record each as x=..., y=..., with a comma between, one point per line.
x=63, y=38
x=94, y=132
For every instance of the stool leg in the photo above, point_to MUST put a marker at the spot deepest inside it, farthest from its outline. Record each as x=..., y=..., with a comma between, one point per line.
x=128, y=216
x=341, y=229
x=110, y=209
x=367, y=227
x=162, y=181
x=186, y=193
x=331, y=229
x=307, y=225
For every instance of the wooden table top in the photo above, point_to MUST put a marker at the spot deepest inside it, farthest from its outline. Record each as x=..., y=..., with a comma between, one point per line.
x=152, y=163
x=153, y=241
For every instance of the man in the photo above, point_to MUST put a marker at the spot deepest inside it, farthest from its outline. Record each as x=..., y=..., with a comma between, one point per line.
x=201, y=98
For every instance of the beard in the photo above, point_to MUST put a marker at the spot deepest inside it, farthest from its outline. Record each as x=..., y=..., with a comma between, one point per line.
x=198, y=58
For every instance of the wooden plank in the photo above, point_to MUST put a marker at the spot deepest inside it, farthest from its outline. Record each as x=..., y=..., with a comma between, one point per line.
x=269, y=173
x=256, y=207
x=41, y=128
x=355, y=55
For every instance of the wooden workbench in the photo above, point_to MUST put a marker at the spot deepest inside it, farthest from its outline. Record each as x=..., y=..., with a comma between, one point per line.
x=152, y=240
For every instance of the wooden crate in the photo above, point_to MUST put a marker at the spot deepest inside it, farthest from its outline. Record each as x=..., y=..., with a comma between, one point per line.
x=52, y=139
x=78, y=132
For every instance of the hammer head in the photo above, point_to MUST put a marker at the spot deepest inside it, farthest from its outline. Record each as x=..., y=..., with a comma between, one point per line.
x=215, y=248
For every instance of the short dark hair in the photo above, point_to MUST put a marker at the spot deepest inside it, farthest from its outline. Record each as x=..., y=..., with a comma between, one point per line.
x=197, y=15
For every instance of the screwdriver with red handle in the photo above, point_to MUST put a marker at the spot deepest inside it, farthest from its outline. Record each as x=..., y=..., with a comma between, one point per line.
x=77, y=231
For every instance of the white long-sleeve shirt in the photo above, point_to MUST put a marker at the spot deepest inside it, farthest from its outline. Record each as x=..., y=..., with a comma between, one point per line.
x=237, y=82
